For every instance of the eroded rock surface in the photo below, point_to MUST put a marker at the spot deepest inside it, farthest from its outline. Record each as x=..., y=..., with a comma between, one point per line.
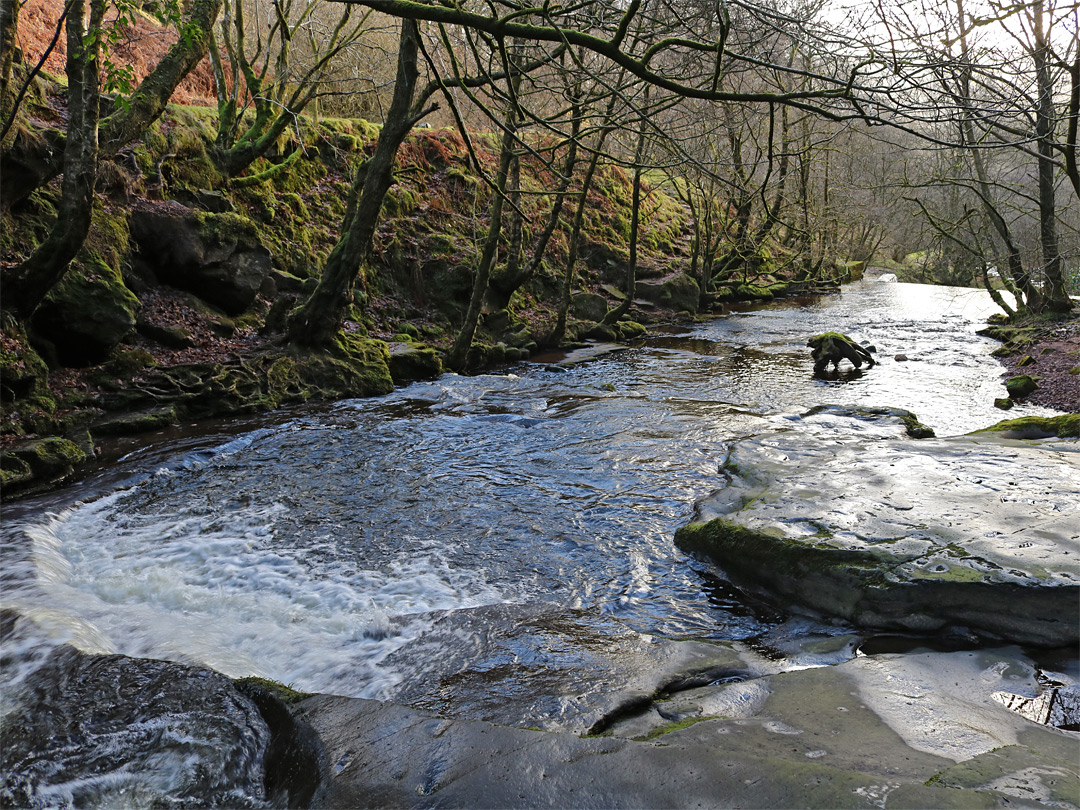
x=835, y=513
x=883, y=731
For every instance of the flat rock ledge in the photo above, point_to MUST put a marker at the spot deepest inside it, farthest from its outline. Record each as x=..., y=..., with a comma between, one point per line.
x=837, y=512
x=915, y=731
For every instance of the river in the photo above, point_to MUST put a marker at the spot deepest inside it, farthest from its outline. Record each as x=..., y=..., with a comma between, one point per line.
x=497, y=545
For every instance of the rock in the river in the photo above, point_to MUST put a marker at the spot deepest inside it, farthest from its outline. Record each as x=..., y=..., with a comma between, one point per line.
x=836, y=516
x=832, y=347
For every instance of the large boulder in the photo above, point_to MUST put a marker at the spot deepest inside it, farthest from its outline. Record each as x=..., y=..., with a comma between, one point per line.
x=838, y=516
x=679, y=292
x=87, y=314
x=217, y=257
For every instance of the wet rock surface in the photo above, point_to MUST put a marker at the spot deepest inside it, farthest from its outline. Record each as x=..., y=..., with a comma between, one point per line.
x=94, y=730
x=883, y=731
x=839, y=516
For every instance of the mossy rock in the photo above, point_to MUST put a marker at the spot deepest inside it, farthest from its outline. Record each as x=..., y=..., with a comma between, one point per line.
x=601, y=331
x=87, y=314
x=409, y=362
x=354, y=367
x=22, y=371
x=628, y=330
x=1026, y=360
x=1003, y=403
x=39, y=463
x=286, y=694
x=1021, y=386
x=588, y=306
x=753, y=292
x=127, y=424
x=1065, y=426
x=680, y=293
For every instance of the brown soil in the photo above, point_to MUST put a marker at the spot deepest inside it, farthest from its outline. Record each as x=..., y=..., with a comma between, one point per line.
x=141, y=47
x=1055, y=358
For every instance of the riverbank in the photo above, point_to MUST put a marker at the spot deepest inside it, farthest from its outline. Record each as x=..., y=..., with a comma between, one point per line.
x=177, y=307
x=1049, y=352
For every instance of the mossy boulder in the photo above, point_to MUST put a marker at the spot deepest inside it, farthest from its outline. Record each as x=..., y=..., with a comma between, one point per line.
x=217, y=257
x=38, y=463
x=678, y=292
x=409, y=362
x=588, y=306
x=753, y=292
x=23, y=373
x=87, y=314
x=353, y=366
x=1021, y=386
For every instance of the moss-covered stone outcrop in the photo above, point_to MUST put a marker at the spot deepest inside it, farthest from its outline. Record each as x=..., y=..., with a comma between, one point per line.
x=1065, y=426
x=884, y=533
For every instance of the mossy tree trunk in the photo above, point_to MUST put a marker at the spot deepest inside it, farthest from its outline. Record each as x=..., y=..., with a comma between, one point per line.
x=9, y=52
x=459, y=352
x=630, y=290
x=316, y=323
x=27, y=284
x=278, y=89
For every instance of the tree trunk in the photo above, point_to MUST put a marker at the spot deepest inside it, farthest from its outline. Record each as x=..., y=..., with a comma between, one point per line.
x=1056, y=297
x=459, y=352
x=26, y=285
x=614, y=315
x=9, y=28
x=317, y=322
x=503, y=287
x=559, y=332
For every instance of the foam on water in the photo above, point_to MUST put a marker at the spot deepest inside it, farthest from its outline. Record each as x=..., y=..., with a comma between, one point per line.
x=214, y=587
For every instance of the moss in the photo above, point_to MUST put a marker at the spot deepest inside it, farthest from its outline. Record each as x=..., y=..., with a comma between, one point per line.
x=1065, y=426
x=1020, y=386
x=127, y=362
x=399, y=201
x=23, y=373
x=286, y=694
x=679, y=725
x=753, y=292
x=916, y=429
x=51, y=459
x=354, y=366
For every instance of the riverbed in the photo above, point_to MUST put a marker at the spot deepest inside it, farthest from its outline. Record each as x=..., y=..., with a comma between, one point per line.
x=496, y=547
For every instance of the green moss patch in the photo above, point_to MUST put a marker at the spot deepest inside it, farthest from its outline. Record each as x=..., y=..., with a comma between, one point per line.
x=1066, y=426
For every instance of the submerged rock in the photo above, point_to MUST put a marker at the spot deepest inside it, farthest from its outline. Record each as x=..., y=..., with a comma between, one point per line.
x=846, y=520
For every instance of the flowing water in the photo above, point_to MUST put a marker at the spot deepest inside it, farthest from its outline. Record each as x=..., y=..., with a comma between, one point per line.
x=477, y=544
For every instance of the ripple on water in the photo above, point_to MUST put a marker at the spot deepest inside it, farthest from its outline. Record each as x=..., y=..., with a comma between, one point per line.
x=339, y=550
